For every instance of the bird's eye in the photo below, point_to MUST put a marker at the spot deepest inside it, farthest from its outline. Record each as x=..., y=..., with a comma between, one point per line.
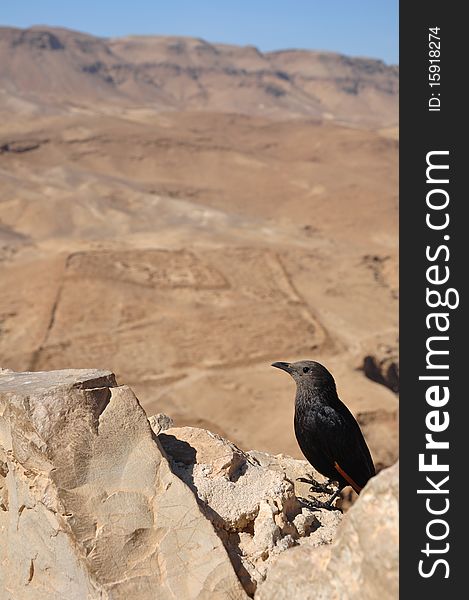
x=305, y=369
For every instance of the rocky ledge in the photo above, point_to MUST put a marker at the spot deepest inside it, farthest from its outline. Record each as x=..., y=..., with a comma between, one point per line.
x=97, y=501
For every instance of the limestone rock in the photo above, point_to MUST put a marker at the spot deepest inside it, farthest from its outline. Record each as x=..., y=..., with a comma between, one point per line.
x=89, y=507
x=249, y=497
x=291, y=467
x=160, y=422
x=361, y=564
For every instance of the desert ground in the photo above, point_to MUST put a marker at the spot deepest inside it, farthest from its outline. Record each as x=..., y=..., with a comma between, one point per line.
x=185, y=214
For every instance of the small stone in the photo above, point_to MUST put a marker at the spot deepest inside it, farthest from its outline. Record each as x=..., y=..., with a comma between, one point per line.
x=160, y=422
x=305, y=521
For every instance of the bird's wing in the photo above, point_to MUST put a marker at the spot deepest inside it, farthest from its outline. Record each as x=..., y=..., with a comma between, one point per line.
x=348, y=450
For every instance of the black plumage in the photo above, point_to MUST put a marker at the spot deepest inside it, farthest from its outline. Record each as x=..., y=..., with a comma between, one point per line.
x=326, y=431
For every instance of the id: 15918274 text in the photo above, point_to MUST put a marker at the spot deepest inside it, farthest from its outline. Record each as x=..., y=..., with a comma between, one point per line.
x=434, y=69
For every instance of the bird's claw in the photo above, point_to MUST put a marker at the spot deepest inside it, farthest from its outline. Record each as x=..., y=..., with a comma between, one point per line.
x=323, y=488
x=315, y=504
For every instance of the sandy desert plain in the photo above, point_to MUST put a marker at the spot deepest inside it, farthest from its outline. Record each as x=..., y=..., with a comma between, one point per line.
x=185, y=214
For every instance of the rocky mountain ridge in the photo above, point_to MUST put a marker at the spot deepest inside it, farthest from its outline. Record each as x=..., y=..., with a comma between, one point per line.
x=51, y=70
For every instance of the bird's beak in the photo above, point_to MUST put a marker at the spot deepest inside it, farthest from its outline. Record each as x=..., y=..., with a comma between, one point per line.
x=282, y=365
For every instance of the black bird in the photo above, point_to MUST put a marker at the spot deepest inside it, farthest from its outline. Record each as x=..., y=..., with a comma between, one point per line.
x=326, y=431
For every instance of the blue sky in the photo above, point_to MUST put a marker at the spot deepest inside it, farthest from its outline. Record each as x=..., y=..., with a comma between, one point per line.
x=359, y=28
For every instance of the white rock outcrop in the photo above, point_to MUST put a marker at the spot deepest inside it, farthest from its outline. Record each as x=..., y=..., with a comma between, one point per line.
x=89, y=507
x=249, y=497
x=361, y=564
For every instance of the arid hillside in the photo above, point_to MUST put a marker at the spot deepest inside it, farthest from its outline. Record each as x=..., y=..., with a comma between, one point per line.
x=156, y=221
